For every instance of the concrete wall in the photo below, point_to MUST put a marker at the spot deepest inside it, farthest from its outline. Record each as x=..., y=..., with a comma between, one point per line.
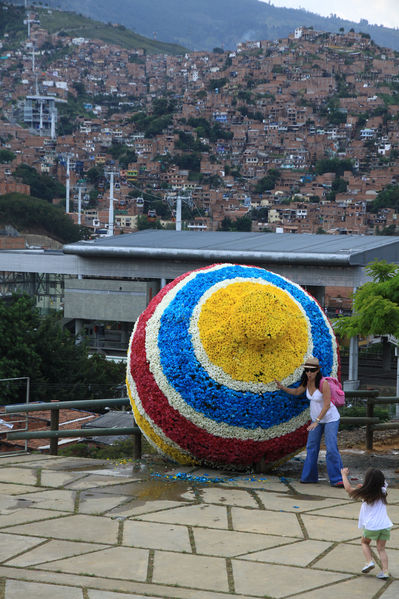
x=107, y=299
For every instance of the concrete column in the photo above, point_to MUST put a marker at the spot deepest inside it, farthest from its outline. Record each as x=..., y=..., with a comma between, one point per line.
x=78, y=329
x=353, y=375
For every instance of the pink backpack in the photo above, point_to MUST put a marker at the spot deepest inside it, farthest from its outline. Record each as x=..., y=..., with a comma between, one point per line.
x=337, y=393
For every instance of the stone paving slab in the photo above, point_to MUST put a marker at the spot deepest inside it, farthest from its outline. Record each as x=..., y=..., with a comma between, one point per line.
x=296, y=502
x=138, y=508
x=278, y=581
x=95, y=594
x=24, y=458
x=53, y=550
x=94, y=481
x=262, y=521
x=74, y=528
x=11, y=545
x=348, y=510
x=212, y=516
x=230, y=543
x=319, y=490
x=18, y=475
x=20, y=515
x=115, y=562
x=97, y=502
x=194, y=571
x=392, y=592
x=121, y=586
x=324, y=528
x=355, y=588
x=351, y=510
x=345, y=558
x=51, y=478
x=154, y=535
x=19, y=589
x=234, y=496
x=298, y=553
x=267, y=486
x=241, y=537
x=15, y=489
x=54, y=499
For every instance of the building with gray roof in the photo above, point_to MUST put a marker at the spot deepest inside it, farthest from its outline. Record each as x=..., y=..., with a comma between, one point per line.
x=112, y=279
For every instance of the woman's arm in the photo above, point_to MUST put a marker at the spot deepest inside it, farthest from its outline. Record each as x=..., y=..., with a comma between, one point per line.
x=296, y=391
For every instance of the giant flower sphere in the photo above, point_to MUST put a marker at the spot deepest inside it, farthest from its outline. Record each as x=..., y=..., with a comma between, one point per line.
x=203, y=358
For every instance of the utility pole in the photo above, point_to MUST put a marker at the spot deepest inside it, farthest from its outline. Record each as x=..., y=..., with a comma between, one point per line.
x=111, y=205
x=79, y=204
x=111, y=175
x=178, y=212
x=179, y=199
x=67, y=186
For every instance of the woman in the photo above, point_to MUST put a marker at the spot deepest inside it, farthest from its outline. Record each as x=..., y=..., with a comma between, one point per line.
x=325, y=419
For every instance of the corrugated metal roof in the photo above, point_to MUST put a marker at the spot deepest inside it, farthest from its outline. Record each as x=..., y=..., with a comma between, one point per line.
x=292, y=248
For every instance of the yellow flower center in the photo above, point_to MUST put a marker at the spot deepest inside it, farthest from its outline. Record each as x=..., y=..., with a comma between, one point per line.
x=254, y=332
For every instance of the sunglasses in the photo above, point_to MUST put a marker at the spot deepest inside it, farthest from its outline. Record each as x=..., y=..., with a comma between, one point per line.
x=313, y=369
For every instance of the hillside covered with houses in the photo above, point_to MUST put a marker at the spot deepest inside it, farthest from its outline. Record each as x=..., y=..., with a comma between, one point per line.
x=298, y=135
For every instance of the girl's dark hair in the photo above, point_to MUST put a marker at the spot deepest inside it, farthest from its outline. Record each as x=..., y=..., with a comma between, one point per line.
x=371, y=489
x=304, y=379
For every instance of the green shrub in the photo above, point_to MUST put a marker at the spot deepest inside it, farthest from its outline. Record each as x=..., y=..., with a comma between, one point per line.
x=360, y=411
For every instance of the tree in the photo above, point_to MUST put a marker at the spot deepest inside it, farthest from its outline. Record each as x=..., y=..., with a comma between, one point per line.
x=32, y=215
x=333, y=165
x=6, y=156
x=267, y=182
x=39, y=348
x=242, y=223
x=94, y=174
x=387, y=198
x=376, y=306
x=41, y=186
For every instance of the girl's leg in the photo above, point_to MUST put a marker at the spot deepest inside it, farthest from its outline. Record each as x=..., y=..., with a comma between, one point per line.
x=310, y=470
x=333, y=458
x=383, y=555
x=366, y=549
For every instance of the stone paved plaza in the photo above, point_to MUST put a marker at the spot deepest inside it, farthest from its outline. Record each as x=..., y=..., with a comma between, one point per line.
x=75, y=528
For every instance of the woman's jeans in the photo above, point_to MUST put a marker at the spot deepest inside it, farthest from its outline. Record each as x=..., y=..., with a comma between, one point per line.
x=333, y=458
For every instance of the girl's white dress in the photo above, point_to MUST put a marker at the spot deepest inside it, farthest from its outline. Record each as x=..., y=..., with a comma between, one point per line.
x=374, y=516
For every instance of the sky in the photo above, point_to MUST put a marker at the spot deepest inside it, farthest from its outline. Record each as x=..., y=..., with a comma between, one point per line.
x=377, y=12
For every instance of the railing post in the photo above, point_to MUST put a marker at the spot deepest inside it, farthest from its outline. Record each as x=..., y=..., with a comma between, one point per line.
x=369, y=427
x=54, y=425
x=137, y=446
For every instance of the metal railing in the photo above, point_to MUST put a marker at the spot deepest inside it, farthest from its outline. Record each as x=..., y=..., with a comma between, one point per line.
x=371, y=422
x=54, y=433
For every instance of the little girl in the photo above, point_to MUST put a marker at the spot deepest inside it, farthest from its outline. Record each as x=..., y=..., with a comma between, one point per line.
x=373, y=517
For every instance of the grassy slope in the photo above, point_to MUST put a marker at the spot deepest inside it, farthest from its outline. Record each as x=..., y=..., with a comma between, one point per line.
x=79, y=26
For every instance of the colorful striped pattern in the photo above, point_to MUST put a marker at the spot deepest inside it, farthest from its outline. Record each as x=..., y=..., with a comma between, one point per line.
x=187, y=405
